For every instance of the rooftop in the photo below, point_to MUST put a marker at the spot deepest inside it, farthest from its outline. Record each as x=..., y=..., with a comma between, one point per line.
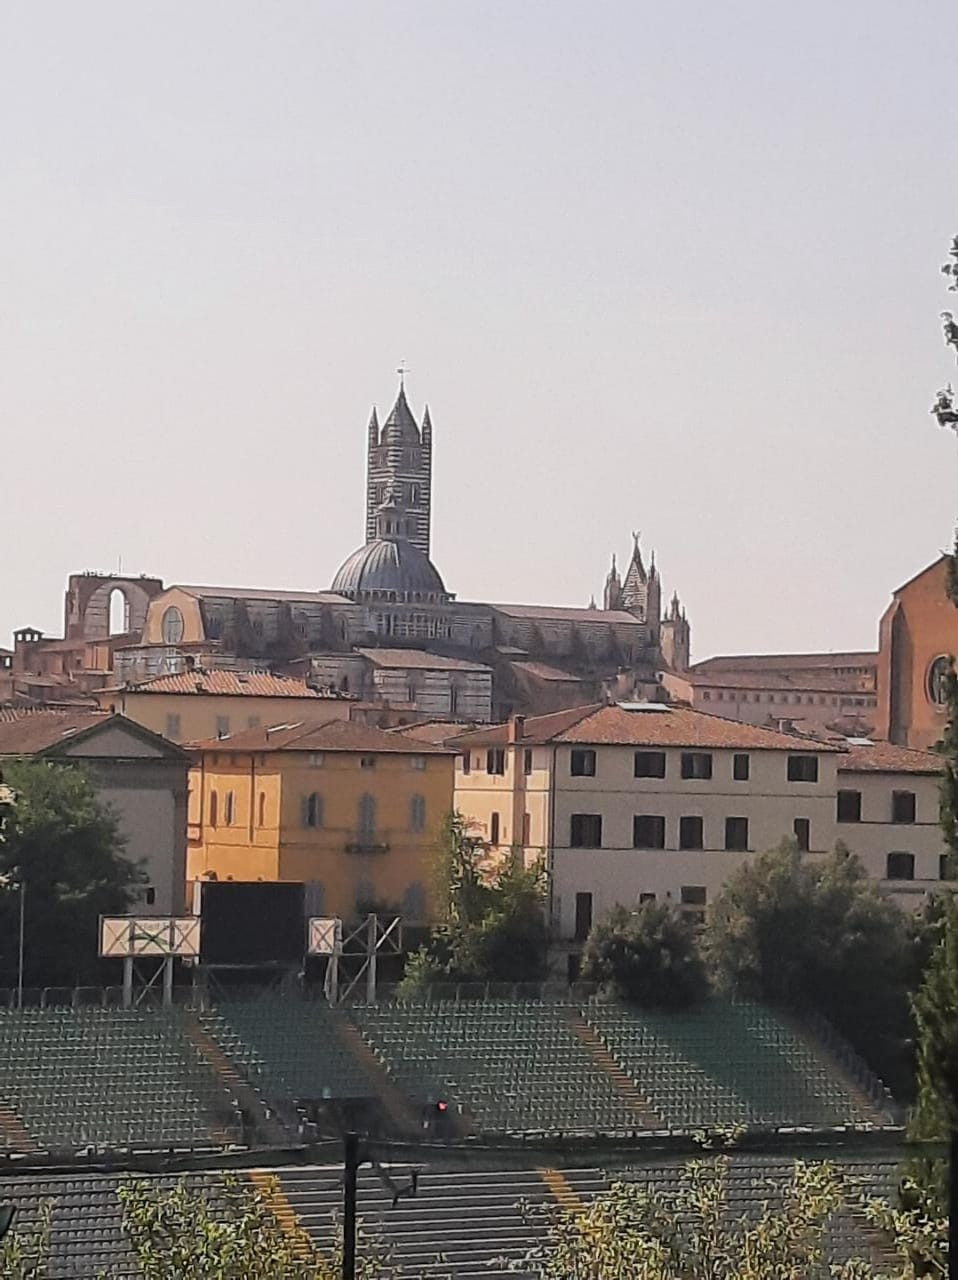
x=419, y=658
x=557, y=613
x=885, y=757
x=783, y=661
x=645, y=725
x=248, y=684
x=318, y=735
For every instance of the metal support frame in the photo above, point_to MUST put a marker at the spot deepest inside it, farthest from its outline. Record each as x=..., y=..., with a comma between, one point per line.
x=377, y=938
x=137, y=986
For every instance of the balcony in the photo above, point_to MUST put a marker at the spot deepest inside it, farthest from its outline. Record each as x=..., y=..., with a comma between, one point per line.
x=367, y=842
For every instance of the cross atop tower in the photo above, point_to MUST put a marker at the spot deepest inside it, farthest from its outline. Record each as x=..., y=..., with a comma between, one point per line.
x=402, y=370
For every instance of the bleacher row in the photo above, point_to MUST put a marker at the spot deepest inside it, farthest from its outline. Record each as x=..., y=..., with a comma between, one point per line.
x=113, y=1078
x=465, y=1225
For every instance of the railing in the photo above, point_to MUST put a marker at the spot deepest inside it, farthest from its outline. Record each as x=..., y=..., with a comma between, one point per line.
x=367, y=842
x=853, y=1063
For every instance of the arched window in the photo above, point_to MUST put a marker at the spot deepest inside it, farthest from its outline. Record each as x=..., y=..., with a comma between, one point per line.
x=172, y=626
x=214, y=808
x=229, y=809
x=262, y=809
x=367, y=816
x=417, y=813
x=313, y=810
x=119, y=612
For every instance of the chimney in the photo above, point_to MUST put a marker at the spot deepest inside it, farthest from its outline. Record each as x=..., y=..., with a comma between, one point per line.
x=516, y=727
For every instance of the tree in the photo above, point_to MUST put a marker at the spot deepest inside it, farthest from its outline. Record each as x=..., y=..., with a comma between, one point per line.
x=493, y=925
x=227, y=1232
x=817, y=934
x=649, y=957
x=696, y=1234
x=24, y=1251
x=63, y=844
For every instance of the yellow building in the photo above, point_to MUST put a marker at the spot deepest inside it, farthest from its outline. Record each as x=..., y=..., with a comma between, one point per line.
x=195, y=705
x=351, y=810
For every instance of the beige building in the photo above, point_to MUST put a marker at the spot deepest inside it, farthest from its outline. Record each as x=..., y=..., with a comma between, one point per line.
x=645, y=800
x=200, y=704
x=140, y=775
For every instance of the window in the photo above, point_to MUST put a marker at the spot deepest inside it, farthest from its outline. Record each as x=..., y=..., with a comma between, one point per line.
x=262, y=809
x=903, y=806
x=936, y=682
x=900, y=866
x=803, y=768
x=214, y=808
x=173, y=727
x=849, y=806
x=646, y=897
x=172, y=626
x=465, y=762
x=585, y=831
x=222, y=726
x=417, y=762
x=582, y=763
x=691, y=835
x=494, y=828
x=706, y=695
x=736, y=834
x=367, y=816
x=693, y=895
x=740, y=768
x=696, y=764
x=526, y=828
x=367, y=762
x=496, y=760
x=803, y=833
x=650, y=764
x=648, y=831
x=947, y=866
x=583, y=916
x=149, y=895
x=253, y=722
x=229, y=809
x=417, y=813
x=317, y=759
x=527, y=761
x=313, y=810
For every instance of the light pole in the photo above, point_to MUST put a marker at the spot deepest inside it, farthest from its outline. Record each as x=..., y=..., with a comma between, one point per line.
x=22, y=884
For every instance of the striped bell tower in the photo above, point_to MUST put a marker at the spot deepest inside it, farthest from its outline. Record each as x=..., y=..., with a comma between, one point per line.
x=399, y=470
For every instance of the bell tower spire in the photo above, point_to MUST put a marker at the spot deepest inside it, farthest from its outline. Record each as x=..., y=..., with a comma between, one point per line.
x=399, y=466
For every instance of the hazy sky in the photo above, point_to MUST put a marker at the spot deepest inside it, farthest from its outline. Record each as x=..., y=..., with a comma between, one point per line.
x=668, y=267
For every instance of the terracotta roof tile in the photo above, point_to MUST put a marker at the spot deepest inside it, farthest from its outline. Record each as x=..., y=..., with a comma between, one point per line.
x=250, y=684
x=552, y=613
x=318, y=735
x=27, y=732
x=784, y=661
x=437, y=731
x=886, y=757
x=655, y=725
x=542, y=671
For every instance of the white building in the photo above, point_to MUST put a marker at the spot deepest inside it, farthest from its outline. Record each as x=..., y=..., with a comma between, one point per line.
x=635, y=801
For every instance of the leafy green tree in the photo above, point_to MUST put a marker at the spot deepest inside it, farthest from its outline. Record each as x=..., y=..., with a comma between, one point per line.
x=230, y=1232
x=817, y=934
x=649, y=957
x=696, y=1234
x=24, y=1251
x=493, y=923
x=64, y=845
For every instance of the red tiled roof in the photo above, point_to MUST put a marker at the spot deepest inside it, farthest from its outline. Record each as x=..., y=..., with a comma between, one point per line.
x=250, y=684
x=437, y=731
x=656, y=725
x=419, y=658
x=257, y=593
x=886, y=757
x=27, y=732
x=798, y=681
x=542, y=671
x=318, y=735
x=784, y=661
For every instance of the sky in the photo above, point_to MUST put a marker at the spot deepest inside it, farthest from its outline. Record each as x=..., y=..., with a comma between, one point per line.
x=661, y=267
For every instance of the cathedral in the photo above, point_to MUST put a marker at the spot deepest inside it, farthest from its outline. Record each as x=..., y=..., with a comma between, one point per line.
x=388, y=629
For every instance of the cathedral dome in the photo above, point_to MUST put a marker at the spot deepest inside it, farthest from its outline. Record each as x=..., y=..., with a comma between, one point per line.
x=388, y=569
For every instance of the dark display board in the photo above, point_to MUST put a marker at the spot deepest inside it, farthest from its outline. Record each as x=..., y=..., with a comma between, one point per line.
x=252, y=923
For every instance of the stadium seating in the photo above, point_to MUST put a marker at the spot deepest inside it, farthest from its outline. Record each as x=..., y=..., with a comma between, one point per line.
x=726, y=1063
x=513, y=1065
x=111, y=1078
x=288, y=1048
